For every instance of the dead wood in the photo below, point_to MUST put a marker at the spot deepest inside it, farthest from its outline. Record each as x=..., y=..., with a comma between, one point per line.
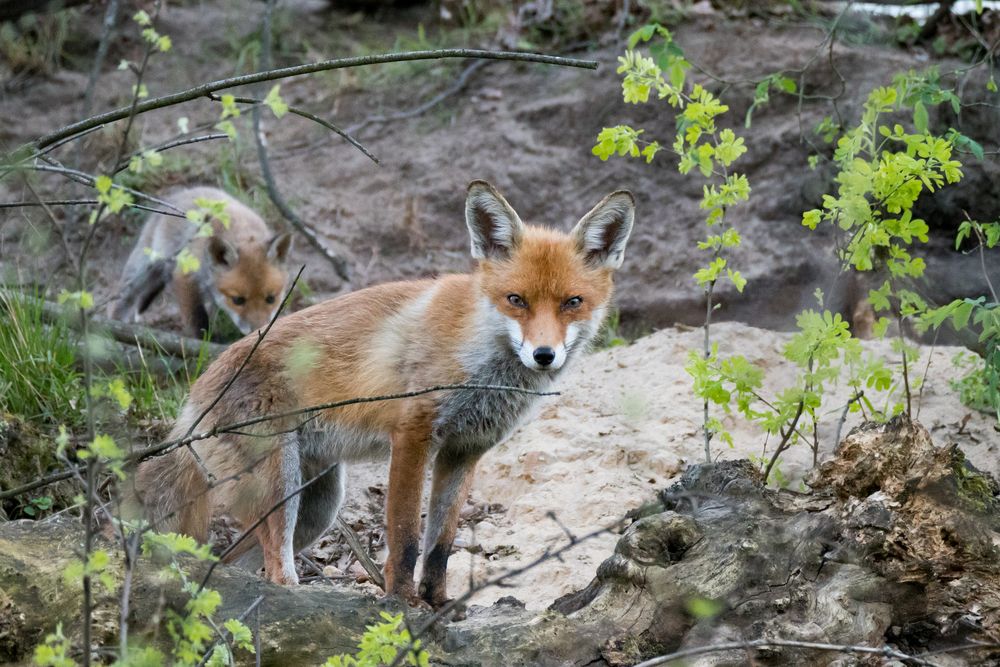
x=893, y=553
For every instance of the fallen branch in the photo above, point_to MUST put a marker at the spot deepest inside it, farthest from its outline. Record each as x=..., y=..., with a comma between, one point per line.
x=130, y=334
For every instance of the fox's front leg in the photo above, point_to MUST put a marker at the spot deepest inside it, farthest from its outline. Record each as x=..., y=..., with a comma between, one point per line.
x=452, y=479
x=402, y=510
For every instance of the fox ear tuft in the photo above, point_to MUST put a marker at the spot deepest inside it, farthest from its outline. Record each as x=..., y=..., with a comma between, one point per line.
x=222, y=253
x=494, y=227
x=601, y=235
x=278, y=247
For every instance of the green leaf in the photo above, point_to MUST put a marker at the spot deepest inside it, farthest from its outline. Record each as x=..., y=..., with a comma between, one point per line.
x=811, y=219
x=737, y=279
x=703, y=608
x=920, y=120
x=275, y=103
x=187, y=262
x=242, y=636
x=786, y=84
x=643, y=34
x=228, y=128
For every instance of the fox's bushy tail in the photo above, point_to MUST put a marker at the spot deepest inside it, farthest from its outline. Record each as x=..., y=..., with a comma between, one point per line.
x=173, y=490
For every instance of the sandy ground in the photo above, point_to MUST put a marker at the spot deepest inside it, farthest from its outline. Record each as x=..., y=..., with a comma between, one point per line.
x=625, y=425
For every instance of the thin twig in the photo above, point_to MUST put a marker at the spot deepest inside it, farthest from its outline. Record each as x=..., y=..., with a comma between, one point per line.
x=358, y=549
x=501, y=579
x=786, y=440
x=164, y=447
x=460, y=82
x=247, y=532
x=843, y=415
x=260, y=339
x=167, y=146
x=87, y=179
x=81, y=202
x=257, y=103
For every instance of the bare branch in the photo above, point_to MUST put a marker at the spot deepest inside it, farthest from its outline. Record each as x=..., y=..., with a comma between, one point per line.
x=286, y=72
x=87, y=179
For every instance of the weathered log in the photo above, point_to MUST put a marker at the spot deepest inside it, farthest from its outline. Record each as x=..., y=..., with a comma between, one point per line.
x=894, y=550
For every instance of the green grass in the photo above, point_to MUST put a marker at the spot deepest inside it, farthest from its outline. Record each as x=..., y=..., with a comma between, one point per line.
x=40, y=380
x=38, y=376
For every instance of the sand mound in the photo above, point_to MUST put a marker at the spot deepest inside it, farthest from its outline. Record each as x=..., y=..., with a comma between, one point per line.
x=625, y=425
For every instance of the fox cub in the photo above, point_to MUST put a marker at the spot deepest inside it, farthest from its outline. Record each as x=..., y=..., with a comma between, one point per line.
x=241, y=265
x=535, y=300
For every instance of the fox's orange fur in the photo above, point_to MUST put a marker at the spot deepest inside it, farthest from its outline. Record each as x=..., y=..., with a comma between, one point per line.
x=535, y=300
x=240, y=270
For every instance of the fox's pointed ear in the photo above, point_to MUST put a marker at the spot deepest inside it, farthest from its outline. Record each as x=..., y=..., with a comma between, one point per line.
x=277, y=249
x=495, y=228
x=601, y=235
x=222, y=253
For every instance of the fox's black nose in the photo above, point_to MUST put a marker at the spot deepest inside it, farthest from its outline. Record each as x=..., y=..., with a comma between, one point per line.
x=544, y=356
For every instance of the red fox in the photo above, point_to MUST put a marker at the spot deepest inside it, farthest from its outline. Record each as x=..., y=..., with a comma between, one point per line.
x=536, y=299
x=241, y=265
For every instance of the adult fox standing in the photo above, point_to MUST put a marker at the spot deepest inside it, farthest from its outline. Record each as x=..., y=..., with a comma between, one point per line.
x=535, y=300
x=241, y=265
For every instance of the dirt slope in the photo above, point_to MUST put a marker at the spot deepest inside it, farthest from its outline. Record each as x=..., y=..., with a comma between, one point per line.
x=529, y=129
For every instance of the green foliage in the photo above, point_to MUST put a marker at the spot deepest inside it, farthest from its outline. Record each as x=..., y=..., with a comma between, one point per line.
x=980, y=386
x=762, y=92
x=97, y=566
x=699, y=144
x=38, y=506
x=381, y=643
x=53, y=652
x=38, y=376
x=883, y=170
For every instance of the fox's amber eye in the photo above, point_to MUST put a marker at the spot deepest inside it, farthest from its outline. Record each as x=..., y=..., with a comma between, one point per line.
x=239, y=300
x=573, y=302
x=516, y=301
x=269, y=298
